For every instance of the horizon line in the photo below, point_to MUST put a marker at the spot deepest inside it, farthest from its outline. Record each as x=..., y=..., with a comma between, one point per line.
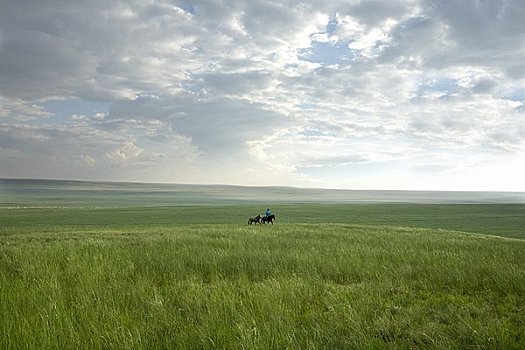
x=253, y=186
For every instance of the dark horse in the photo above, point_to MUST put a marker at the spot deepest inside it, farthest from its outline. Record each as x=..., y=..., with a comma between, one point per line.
x=269, y=219
x=256, y=220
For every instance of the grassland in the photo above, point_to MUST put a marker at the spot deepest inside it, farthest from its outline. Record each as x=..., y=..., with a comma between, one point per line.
x=506, y=220
x=325, y=276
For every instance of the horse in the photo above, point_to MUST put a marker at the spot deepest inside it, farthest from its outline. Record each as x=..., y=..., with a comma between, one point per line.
x=256, y=220
x=269, y=219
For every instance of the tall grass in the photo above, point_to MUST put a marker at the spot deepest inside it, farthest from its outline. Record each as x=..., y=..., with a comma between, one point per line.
x=296, y=286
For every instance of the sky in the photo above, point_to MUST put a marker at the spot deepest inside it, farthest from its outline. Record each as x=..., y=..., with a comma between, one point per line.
x=401, y=94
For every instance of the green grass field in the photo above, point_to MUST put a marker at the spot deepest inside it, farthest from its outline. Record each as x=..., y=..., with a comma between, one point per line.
x=325, y=276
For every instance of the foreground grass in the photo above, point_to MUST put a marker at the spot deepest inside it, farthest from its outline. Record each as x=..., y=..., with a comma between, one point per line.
x=295, y=286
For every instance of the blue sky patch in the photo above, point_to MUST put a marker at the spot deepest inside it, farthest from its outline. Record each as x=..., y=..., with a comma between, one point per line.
x=188, y=8
x=63, y=109
x=331, y=26
x=327, y=53
x=307, y=105
x=516, y=95
x=447, y=86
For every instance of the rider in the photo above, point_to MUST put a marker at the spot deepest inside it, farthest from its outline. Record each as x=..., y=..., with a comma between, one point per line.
x=267, y=213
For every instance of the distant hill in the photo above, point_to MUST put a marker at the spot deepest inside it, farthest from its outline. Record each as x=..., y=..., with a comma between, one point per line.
x=99, y=193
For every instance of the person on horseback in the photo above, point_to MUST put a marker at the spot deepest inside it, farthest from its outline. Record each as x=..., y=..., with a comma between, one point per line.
x=268, y=217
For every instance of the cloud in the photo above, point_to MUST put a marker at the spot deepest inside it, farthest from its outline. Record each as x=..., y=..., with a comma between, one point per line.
x=275, y=92
x=20, y=110
x=125, y=153
x=88, y=159
x=484, y=33
x=85, y=149
x=92, y=50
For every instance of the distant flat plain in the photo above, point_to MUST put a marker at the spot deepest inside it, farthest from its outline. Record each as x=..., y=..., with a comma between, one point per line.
x=84, y=193
x=24, y=202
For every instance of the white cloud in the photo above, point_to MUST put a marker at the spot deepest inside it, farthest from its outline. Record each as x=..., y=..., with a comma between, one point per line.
x=275, y=92
x=88, y=159
x=21, y=111
x=125, y=153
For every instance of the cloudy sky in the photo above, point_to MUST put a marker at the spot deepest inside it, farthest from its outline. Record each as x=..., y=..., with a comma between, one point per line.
x=401, y=94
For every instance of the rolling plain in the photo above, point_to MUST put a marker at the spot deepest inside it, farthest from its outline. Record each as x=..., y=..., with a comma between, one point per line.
x=124, y=266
